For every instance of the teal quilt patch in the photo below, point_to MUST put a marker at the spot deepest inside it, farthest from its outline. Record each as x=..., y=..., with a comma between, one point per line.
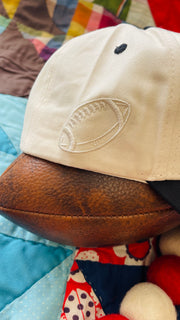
x=43, y=301
x=6, y=144
x=12, y=110
x=23, y=263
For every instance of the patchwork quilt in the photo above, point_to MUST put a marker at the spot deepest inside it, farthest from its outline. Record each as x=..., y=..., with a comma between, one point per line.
x=39, y=279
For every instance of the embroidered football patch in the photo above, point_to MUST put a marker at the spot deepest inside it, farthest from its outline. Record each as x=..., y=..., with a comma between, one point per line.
x=93, y=125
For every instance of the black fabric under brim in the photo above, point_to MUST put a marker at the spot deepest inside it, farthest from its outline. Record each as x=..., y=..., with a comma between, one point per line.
x=169, y=190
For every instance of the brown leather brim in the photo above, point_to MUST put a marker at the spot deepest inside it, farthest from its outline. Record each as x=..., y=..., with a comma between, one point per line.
x=81, y=208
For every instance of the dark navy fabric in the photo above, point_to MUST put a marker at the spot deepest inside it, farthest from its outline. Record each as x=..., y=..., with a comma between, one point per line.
x=169, y=190
x=111, y=282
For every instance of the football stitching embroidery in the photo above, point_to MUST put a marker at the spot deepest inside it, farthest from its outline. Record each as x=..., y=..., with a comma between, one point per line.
x=80, y=134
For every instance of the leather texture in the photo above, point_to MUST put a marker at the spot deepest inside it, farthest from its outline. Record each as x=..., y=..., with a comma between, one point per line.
x=81, y=208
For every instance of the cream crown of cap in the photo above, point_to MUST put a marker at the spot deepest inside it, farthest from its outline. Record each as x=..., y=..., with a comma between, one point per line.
x=109, y=102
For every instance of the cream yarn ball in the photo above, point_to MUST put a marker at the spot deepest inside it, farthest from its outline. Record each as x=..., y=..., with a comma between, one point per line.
x=146, y=301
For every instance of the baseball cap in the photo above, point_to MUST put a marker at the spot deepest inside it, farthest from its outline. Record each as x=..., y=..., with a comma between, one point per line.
x=109, y=102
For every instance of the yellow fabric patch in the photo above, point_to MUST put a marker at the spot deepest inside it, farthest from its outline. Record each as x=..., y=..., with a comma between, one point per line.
x=35, y=33
x=11, y=7
x=87, y=4
x=75, y=30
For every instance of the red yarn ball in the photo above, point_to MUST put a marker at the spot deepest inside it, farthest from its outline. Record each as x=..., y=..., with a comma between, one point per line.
x=114, y=317
x=165, y=273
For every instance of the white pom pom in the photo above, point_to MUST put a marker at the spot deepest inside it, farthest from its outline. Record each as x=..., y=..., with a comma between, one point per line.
x=170, y=242
x=146, y=301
